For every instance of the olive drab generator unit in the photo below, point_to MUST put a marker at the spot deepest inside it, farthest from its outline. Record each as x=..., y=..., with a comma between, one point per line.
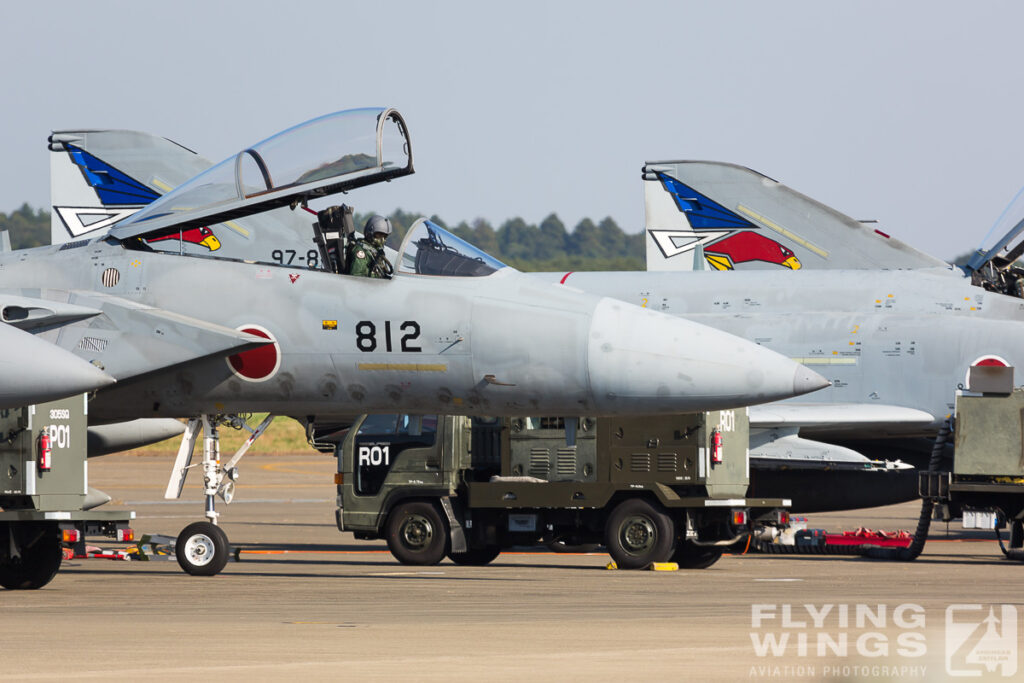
x=44, y=491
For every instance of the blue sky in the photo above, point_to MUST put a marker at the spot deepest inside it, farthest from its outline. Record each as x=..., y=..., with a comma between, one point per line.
x=908, y=113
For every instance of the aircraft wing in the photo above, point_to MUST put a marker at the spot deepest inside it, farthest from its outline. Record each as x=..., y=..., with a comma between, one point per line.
x=706, y=215
x=133, y=339
x=94, y=339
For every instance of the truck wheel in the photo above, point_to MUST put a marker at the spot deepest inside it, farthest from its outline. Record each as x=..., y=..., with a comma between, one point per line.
x=417, y=534
x=38, y=563
x=691, y=556
x=637, y=534
x=476, y=556
x=202, y=549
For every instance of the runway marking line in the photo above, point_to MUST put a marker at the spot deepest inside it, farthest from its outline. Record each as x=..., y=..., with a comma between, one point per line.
x=378, y=552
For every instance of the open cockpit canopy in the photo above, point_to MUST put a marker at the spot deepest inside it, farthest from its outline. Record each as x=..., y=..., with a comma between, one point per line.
x=429, y=249
x=997, y=268
x=333, y=153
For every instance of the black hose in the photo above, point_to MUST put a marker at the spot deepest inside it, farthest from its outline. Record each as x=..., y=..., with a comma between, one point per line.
x=925, y=520
x=1011, y=553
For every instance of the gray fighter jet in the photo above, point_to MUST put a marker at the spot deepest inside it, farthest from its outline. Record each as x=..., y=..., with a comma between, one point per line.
x=215, y=299
x=894, y=330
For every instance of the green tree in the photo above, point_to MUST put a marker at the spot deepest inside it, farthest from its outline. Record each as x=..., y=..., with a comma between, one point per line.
x=553, y=238
x=26, y=228
x=585, y=241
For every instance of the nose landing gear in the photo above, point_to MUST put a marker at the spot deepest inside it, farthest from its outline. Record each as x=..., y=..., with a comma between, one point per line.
x=202, y=548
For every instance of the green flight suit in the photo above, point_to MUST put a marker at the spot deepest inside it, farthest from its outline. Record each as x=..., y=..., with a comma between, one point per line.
x=368, y=259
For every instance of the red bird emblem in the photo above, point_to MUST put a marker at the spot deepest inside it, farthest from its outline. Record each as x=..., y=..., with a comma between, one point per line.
x=201, y=236
x=748, y=246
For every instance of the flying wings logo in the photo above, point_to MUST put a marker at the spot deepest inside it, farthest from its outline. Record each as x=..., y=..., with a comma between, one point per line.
x=726, y=238
x=204, y=237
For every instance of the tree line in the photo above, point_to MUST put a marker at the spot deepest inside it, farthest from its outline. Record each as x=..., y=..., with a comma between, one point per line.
x=549, y=246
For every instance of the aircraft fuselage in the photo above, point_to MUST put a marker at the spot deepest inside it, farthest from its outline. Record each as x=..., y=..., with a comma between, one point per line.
x=891, y=337
x=500, y=344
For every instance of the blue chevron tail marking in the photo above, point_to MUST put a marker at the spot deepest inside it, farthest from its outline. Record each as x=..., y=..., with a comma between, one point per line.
x=702, y=213
x=112, y=186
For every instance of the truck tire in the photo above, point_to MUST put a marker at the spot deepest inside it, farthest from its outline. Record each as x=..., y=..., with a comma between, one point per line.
x=417, y=534
x=691, y=556
x=638, y=534
x=202, y=549
x=476, y=556
x=39, y=561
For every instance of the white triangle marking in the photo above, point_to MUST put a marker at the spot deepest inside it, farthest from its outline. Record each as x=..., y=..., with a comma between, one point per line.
x=676, y=242
x=75, y=218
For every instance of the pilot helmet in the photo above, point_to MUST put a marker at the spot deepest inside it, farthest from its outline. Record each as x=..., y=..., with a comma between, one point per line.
x=377, y=225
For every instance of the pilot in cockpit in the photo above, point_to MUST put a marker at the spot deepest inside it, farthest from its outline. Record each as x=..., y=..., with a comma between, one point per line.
x=367, y=256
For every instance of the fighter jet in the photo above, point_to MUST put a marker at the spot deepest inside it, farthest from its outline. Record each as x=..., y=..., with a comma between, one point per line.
x=208, y=302
x=894, y=329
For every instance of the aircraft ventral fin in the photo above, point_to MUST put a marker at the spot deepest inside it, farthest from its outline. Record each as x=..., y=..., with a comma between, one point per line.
x=744, y=220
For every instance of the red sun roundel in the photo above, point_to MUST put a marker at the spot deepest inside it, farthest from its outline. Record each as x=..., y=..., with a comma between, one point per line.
x=991, y=360
x=259, y=364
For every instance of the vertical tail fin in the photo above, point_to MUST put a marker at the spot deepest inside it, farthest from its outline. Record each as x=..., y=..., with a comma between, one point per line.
x=703, y=215
x=98, y=177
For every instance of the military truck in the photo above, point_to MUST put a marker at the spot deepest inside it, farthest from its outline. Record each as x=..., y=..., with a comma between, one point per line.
x=44, y=491
x=652, y=489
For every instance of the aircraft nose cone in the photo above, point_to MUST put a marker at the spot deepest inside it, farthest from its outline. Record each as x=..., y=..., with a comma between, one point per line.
x=642, y=361
x=806, y=380
x=40, y=371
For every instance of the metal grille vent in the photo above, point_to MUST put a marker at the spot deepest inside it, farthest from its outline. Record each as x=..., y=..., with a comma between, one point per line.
x=640, y=462
x=667, y=462
x=565, y=461
x=540, y=463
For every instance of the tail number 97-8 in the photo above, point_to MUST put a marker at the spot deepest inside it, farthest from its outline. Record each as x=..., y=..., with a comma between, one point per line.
x=368, y=337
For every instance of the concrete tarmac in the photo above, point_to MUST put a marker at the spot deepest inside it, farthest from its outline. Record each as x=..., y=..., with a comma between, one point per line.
x=307, y=602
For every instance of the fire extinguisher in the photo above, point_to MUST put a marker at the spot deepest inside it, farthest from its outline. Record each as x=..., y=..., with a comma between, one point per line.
x=716, y=446
x=45, y=450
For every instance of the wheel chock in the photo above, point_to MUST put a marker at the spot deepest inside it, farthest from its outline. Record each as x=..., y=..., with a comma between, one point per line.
x=653, y=566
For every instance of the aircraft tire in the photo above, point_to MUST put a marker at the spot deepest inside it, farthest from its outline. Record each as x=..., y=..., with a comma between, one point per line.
x=691, y=556
x=638, y=534
x=202, y=549
x=476, y=556
x=417, y=534
x=39, y=560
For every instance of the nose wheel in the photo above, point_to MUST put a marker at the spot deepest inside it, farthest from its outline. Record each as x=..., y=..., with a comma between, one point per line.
x=202, y=549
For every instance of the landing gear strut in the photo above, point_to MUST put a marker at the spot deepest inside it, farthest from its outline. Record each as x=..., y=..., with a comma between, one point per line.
x=202, y=548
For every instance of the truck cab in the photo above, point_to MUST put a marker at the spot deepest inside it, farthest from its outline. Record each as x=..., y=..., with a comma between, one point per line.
x=651, y=489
